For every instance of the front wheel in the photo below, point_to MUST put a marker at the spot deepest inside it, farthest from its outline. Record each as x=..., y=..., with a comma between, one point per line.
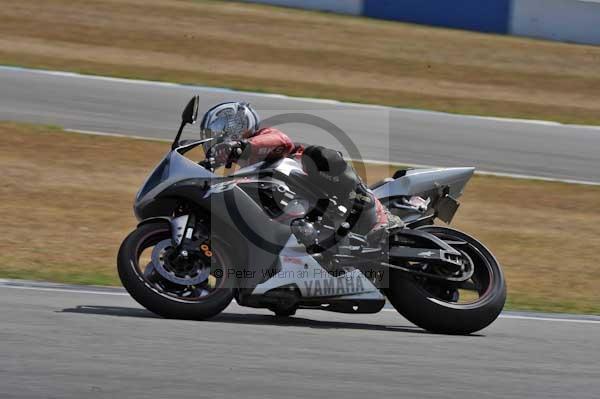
x=192, y=290
x=452, y=308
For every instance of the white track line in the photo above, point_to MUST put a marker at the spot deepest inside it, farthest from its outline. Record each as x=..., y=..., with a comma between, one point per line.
x=371, y=161
x=73, y=291
x=118, y=135
x=541, y=318
x=25, y=286
x=583, y=321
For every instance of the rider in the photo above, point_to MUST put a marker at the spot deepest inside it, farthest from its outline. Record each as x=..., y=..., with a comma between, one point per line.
x=241, y=140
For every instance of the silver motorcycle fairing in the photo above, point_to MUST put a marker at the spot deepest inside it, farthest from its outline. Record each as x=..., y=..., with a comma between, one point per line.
x=301, y=270
x=421, y=195
x=418, y=181
x=285, y=166
x=174, y=167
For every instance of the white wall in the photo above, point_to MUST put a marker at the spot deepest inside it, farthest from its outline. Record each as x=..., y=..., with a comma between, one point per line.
x=563, y=20
x=353, y=7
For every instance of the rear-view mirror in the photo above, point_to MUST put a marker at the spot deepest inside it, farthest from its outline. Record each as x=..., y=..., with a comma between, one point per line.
x=190, y=113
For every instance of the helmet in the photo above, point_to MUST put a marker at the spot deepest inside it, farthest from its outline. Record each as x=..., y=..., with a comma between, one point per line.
x=229, y=121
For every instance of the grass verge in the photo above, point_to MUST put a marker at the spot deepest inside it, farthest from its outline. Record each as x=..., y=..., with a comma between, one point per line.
x=263, y=48
x=67, y=203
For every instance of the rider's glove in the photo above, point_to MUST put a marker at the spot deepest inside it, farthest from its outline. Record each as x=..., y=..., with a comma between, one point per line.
x=226, y=153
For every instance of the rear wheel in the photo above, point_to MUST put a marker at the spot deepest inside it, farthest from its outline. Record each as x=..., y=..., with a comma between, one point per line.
x=452, y=308
x=194, y=289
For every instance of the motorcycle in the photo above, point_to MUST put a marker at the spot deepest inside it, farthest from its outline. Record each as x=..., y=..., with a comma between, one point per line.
x=268, y=237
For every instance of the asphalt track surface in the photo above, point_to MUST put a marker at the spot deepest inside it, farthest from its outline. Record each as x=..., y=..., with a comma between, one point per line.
x=386, y=134
x=81, y=342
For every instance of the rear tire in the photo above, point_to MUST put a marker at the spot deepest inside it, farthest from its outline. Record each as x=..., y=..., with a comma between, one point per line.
x=413, y=302
x=152, y=298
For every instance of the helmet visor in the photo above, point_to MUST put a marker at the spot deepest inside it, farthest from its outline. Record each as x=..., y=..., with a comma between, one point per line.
x=227, y=125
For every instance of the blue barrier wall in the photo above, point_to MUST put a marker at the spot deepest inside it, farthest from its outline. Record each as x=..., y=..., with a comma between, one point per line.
x=576, y=21
x=480, y=15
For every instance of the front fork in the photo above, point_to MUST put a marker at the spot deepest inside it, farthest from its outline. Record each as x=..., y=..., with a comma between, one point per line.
x=185, y=237
x=180, y=229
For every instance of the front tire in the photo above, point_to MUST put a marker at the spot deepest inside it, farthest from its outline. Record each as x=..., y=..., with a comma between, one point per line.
x=149, y=293
x=435, y=307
